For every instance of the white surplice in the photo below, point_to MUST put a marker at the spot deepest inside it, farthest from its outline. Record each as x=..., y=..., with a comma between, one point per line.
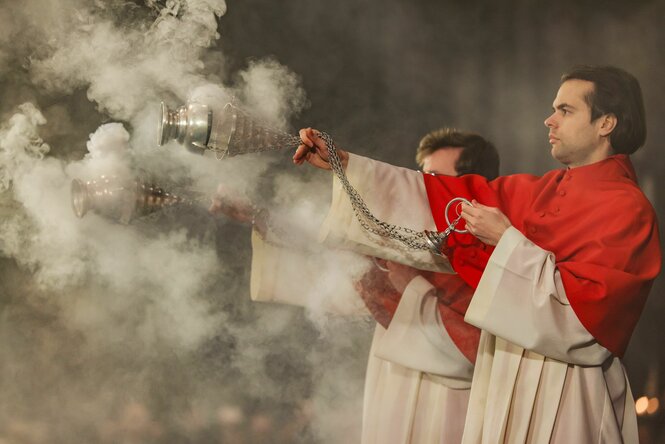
x=417, y=381
x=539, y=376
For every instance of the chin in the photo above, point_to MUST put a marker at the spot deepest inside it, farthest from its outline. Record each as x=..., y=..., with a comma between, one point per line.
x=559, y=157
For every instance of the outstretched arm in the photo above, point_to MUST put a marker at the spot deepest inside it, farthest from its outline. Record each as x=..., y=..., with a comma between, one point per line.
x=239, y=208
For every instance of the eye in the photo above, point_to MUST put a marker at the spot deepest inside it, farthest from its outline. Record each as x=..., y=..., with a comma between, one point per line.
x=564, y=111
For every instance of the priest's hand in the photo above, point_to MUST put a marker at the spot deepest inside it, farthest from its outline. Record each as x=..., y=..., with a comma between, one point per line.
x=486, y=223
x=314, y=150
x=238, y=208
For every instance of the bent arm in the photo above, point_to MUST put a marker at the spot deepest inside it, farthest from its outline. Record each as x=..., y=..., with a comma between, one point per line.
x=454, y=297
x=378, y=290
x=416, y=338
x=521, y=298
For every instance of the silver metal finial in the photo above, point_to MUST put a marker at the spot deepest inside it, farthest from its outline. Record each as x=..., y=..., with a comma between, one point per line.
x=190, y=125
x=227, y=133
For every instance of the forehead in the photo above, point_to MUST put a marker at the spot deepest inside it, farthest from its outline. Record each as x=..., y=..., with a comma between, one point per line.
x=573, y=92
x=443, y=160
x=447, y=154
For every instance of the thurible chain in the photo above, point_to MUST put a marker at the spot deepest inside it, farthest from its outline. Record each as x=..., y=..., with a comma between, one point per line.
x=415, y=240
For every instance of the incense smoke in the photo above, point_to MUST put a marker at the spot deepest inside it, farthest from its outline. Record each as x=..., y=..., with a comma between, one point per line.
x=144, y=332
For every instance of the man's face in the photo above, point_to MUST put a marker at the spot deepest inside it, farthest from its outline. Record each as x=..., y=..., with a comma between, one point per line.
x=442, y=161
x=575, y=140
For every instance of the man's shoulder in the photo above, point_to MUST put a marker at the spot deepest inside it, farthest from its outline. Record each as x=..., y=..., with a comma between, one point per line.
x=524, y=178
x=527, y=183
x=620, y=204
x=622, y=192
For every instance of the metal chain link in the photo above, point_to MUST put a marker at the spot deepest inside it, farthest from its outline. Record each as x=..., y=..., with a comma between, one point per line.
x=415, y=240
x=249, y=137
x=277, y=143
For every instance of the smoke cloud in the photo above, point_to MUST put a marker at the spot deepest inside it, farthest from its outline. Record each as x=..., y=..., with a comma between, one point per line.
x=144, y=332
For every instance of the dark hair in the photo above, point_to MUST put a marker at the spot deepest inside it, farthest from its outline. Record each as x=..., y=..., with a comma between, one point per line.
x=615, y=92
x=479, y=156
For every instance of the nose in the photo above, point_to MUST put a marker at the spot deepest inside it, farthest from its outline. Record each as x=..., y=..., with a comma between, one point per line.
x=549, y=122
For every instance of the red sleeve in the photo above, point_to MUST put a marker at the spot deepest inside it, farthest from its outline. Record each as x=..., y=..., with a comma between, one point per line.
x=608, y=280
x=468, y=256
x=379, y=296
x=454, y=297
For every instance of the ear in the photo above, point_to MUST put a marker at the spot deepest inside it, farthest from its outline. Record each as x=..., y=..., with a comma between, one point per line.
x=607, y=124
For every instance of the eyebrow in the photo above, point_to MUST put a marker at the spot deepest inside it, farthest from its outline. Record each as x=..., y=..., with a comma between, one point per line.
x=563, y=105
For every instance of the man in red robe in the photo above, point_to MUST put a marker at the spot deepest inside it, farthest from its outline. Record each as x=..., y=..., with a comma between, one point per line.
x=562, y=265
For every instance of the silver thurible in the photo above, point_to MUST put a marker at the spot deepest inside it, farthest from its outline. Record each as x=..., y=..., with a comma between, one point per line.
x=120, y=199
x=226, y=133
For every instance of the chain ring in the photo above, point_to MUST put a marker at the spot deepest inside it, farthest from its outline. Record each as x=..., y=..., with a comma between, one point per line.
x=461, y=201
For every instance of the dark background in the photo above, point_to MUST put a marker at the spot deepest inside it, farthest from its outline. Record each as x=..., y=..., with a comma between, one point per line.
x=380, y=74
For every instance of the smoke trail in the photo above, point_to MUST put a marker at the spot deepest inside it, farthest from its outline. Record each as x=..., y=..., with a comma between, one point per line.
x=145, y=328
x=270, y=91
x=126, y=69
x=20, y=143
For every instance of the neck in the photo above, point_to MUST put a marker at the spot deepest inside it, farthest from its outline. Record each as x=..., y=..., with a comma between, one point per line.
x=602, y=152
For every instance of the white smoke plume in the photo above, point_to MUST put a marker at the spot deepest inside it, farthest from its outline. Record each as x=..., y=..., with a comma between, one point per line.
x=146, y=328
x=126, y=69
x=20, y=143
x=270, y=90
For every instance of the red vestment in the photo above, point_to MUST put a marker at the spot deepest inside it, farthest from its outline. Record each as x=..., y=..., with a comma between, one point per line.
x=453, y=294
x=596, y=221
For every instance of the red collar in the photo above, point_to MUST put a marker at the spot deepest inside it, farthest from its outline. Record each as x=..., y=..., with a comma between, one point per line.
x=614, y=167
